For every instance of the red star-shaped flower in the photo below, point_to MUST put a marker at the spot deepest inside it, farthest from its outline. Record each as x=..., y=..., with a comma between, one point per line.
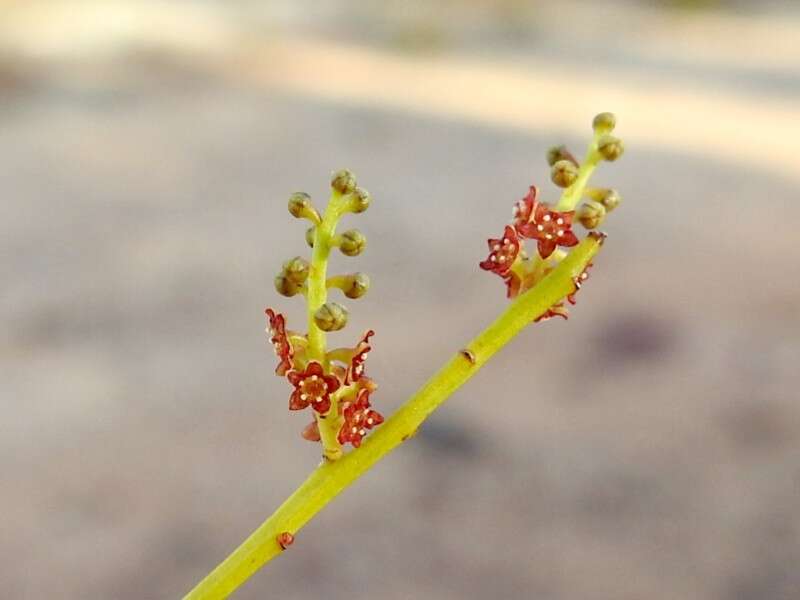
x=356, y=369
x=312, y=387
x=280, y=341
x=502, y=253
x=358, y=419
x=549, y=228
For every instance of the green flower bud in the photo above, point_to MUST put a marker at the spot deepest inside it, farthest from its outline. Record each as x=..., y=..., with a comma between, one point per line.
x=285, y=286
x=611, y=200
x=591, y=215
x=610, y=147
x=343, y=182
x=296, y=270
x=357, y=285
x=300, y=207
x=557, y=153
x=564, y=173
x=360, y=200
x=310, y=233
x=604, y=122
x=331, y=316
x=352, y=242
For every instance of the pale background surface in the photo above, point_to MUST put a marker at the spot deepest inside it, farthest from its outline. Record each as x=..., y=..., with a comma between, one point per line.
x=647, y=448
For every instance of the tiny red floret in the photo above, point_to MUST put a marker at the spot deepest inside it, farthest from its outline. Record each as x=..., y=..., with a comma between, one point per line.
x=356, y=369
x=311, y=432
x=534, y=220
x=358, y=419
x=312, y=387
x=280, y=342
x=523, y=209
x=557, y=310
x=502, y=253
x=578, y=281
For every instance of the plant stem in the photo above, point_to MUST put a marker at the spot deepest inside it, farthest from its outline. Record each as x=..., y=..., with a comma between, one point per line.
x=330, y=478
x=572, y=195
x=317, y=296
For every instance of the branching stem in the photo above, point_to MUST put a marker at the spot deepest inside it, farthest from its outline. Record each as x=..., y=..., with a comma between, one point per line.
x=330, y=478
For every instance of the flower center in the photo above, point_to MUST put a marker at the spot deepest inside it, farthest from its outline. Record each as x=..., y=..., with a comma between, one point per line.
x=313, y=388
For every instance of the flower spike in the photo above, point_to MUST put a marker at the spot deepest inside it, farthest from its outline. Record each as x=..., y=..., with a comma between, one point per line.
x=358, y=419
x=503, y=253
x=280, y=342
x=312, y=387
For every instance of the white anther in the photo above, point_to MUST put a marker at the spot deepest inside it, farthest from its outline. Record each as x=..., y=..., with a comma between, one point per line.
x=560, y=221
x=493, y=258
x=540, y=228
x=560, y=232
x=354, y=430
x=496, y=248
x=303, y=397
x=313, y=378
x=549, y=236
x=370, y=421
x=547, y=218
x=502, y=259
x=506, y=242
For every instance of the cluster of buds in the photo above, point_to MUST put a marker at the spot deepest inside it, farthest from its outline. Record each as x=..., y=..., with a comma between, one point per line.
x=550, y=225
x=331, y=383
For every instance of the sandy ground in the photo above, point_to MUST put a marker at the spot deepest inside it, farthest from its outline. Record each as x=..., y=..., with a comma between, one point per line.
x=647, y=448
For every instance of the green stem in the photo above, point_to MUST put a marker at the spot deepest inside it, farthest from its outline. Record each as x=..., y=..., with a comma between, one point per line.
x=317, y=296
x=330, y=478
x=572, y=195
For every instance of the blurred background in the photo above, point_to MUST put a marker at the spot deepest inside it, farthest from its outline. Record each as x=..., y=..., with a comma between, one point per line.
x=647, y=448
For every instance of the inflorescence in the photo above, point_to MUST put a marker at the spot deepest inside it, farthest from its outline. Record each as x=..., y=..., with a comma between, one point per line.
x=332, y=383
x=550, y=226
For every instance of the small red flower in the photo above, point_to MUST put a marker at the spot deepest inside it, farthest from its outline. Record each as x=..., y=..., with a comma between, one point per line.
x=578, y=281
x=312, y=387
x=523, y=209
x=280, y=342
x=513, y=285
x=549, y=228
x=356, y=369
x=502, y=253
x=557, y=310
x=311, y=432
x=358, y=418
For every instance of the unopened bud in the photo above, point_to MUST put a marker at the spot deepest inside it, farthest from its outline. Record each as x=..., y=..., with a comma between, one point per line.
x=356, y=286
x=557, y=153
x=610, y=147
x=331, y=316
x=591, y=215
x=360, y=200
x=285, y=286
x=611, y=200
x=300, y=207
x=564, y=173
x=310, y=233
x=343, y=182
x=352, y=242
x=604, y=122
x=296, y=270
